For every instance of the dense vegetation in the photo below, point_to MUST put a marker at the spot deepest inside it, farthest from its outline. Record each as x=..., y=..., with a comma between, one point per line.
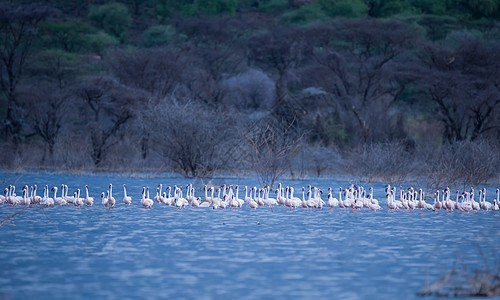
x=371, y=88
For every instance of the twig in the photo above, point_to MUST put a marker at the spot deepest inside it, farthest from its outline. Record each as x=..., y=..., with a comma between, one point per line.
x=12, y=216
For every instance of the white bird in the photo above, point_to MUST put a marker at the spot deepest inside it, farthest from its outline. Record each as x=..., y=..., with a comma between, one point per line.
x=35, y=199
x=46, y=199
x=59, y=200
x=111, y=199
x=77, y=201
x=146, y=201
x=26, y=200
x=104, y=199
x=158, y=194
x=485, y=205
x=496, y=204
x=332, y=202
x=88, y=200
x=126, y=199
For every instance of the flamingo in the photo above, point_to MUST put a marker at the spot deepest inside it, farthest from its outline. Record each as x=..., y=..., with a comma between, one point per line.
x=46, y=199
x=390, y=201
x=437, y=203
x=474, y=204
x=341, y=203
x=126, y=199
x=65, y=190
x=3, y=198
x=36, y=199
x=195, y=202
x=104, y=199
x=270, y=202
x=485, y=204
x=77, y=200
x=207, y=198
x=146, y=201
x=59, y=200
x=247, y=197
x=88, y=200
x=332, y=202
x=26, y=200
x=240, y=201
x=496, y=204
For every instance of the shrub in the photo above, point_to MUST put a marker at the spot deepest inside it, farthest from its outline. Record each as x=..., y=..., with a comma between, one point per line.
x=383, y=161
x=463, y=163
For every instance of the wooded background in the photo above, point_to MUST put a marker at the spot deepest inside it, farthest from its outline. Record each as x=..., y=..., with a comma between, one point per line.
x=380, y=90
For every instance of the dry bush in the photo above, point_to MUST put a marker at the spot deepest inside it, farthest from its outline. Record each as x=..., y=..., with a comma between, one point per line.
x=270, y=148
x=462, y=163
x=72, y=153
x=190, y=136
x=316, y=160
x=389, y=162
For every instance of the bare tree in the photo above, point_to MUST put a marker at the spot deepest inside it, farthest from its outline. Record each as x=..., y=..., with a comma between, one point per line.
x=270, y=149
x=389, y=161
x=158, y=71
x=47, y=113
x=196, y=139
x=464, y=85
x=214, y=47
x=18, y=29
x=282, y=50
x=358, y=63
x=462, y=163
x=111, y=106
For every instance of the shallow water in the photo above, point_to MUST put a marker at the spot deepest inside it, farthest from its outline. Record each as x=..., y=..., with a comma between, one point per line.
x=196, y=253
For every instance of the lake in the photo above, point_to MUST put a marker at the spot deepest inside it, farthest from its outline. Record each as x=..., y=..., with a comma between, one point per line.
x=200, y=253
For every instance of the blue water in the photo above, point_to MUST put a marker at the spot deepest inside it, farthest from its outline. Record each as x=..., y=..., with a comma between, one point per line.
x=197, y=253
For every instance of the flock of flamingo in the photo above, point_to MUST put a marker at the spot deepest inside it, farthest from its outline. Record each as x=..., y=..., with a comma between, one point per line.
x=227, y=196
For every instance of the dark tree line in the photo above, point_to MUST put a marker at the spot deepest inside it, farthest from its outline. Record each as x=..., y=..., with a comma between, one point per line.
x=243, y=93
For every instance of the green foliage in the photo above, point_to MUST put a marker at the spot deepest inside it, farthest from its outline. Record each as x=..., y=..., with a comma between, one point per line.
x=100, y=41
x=211, y=7
x=429, y=7
x=158, y=35
x=167, y=8
x=386, y=8
x=55, y=65
x=481, y=8
x=308, y=13
x=69, y=36
x=112, y=18
x=437, y=27
x=344, y=8
x=274, y=6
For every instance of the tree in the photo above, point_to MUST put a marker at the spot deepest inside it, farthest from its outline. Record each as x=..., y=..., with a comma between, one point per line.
x=358, y=63
x=47, y=113
x=281, y=50
x=251, y=90
x=270, y=149
x=214, y=50
x=158, y=70
x=158, y=35
x=70, y=36
x=111, y=106
x=112, y=18
x=463, y=84
x=196, y=141
x=18, y=29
